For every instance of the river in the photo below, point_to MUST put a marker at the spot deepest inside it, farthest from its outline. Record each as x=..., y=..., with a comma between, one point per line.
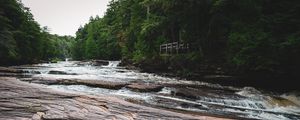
x=178, y=95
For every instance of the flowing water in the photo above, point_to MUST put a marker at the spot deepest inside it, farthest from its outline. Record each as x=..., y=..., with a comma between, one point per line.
x=178, y=95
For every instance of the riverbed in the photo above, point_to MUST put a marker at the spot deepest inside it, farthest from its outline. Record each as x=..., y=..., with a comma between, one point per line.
x=179, y=95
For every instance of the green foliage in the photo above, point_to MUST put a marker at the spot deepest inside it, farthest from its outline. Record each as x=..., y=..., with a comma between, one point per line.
x=58, y=47
x=91, y=46
x=257, y=40
x=96, y=41
x=251, y=35
x=21, y=38
x=140, y=52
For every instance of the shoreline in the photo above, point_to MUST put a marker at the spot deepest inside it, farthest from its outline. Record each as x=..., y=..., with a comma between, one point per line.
x=226, y=77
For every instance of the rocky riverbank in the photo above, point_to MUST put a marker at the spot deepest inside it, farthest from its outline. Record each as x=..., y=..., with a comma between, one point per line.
x=57, y=89
x=185, y=70
x=215, y=73
x=26, y=101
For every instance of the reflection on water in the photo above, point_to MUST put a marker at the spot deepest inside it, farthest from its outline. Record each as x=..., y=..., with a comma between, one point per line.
x=177, y=94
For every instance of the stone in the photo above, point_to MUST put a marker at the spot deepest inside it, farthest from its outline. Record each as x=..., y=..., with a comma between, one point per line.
x=91, y=83
x=100, y=62
x=60, y=72
x=281, y=102
x=102, y=84
x=144, y=87
x=9, y=70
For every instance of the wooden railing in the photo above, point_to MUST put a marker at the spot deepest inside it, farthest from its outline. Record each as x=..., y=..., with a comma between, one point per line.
x=174, y=48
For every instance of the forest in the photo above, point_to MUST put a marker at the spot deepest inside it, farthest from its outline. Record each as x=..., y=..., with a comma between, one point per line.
x=23, y=40
x=249, y=37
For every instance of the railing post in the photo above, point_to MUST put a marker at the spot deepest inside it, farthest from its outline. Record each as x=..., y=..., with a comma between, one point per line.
x=174, y=48
x=171, y=48
x=166, y=48
x=160, y=49
x=177, y=47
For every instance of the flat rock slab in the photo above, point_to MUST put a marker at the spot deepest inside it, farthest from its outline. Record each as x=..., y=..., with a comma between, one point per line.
x=91, y=83
x=25, y=101
x=4, y=74
x=100, y=62
x=195, y=93
x=60, y=72
x=144, y=87
x=93, y=62
x=10, y=70
x=102, y=84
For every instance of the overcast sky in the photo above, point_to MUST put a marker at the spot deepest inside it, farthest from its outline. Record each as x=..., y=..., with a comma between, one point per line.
x=64, y=17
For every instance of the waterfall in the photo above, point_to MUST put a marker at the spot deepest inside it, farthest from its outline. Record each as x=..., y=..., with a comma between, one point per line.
x=68, y=59
x=113, y=64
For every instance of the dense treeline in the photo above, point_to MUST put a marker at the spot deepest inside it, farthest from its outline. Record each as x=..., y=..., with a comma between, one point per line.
x=57, y=47
x=96, y=40
x=22, y=40
x=253, y=36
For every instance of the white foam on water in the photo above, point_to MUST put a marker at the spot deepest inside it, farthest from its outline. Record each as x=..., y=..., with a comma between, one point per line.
x=269, y=116
x=113, y=64
x=190, y=109
x=131, y=94
x=182, y=100
x=271, y=108
x=166, y=90
x=82, y=89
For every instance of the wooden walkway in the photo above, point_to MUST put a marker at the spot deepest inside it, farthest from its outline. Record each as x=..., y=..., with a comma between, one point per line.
x=174, y=48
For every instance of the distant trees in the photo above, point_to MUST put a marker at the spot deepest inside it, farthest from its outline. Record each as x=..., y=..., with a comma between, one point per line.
x=21, y=38
x=95, y=41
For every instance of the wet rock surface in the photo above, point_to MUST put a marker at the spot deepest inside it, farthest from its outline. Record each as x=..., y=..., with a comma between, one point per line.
x=194, y=93
x=93, y=62
x=60, y=72
x=20, y=100
x=100, y=62
x=91, y=83
x=9, y=70
x=145, y=87
x=138, y=87
x=10, y=74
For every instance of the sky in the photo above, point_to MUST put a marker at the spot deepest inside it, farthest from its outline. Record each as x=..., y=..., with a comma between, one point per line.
x=64, y=17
